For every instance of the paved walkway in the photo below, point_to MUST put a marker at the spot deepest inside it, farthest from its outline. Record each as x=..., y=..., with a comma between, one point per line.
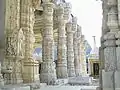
x=69, y=88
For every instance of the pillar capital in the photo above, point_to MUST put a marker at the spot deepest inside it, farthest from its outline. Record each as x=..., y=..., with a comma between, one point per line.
x=79, y=32
x=67, y=11
x=60, y=10
x=69, y=27
x=74, y=24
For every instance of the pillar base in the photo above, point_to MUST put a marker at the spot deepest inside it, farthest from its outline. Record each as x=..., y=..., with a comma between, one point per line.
x=12, y=70
x=77, y=72
x=71, y=72
x=31, y=71
x=48, y=73
x=1, y=80
x=108, y=80
x=117, y=80
x=61, y=71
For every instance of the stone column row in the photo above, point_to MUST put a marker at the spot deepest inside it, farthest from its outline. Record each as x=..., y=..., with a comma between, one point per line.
x=63, y=15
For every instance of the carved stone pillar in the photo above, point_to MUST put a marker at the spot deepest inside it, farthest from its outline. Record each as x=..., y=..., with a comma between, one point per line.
x=109, y=74
x=83, y=56
x=101, y=49
x=79, y=34
x=62, y=60
x=12, y=63
x=30, y=66
x=75, y=46
x=101, y=58
x=48, y=72
x=1, y=77
x=67, y=11
x=76, y=57
x=2, y=38
x=110, y=60
x=70, y=51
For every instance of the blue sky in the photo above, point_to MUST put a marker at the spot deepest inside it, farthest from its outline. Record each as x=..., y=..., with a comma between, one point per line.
x=89, y=14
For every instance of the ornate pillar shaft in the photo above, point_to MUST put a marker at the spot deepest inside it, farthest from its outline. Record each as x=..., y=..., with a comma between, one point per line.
x=70, y=51
x=2, y=38
x=75, y=46
x=48, y=73
x=12, y=62
x=62, y=60
x=27, y=22
x=101, y=58
x=79, y=34
x=83, y=57
x=30, y=71
x=76, y=57
x=109, y=74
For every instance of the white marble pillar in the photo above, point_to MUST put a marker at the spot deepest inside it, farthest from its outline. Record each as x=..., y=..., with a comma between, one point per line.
x=12, y=62
x=62, y=60
x=83, y=57
x=76, y=57
x=110, y=63
x=1, y=77
x=79, y=34
x=70, y=51
x=2, y=37
x=75, y=46
x=48, y=72
x=30, y=66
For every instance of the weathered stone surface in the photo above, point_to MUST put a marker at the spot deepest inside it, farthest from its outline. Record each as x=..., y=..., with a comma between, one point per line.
x=110, y=52
x=2, y=37
x=81, y=80
x=75, y=45
x=70, y=51
x=27, y=21
x=62, y=59
x=108, y=80
x=83, y=66
x=10, y=87
x=48, y=72
x=14, y=43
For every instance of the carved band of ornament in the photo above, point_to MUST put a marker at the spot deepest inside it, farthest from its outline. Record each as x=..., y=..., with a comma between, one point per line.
x=48, y=6
x=48, y=25
x=118, y=42
x=117, y=35
x=74, y=20
x=102, y=45
x=74, y=28
x=113, y=25
x=61, y=24
x=111, y=2
x=67, y=5
x=110, y=43
x=109, y=36
x=60, y=11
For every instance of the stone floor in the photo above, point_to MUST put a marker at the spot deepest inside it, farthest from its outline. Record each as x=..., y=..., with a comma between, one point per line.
x=43, y=86
x=69, y=88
